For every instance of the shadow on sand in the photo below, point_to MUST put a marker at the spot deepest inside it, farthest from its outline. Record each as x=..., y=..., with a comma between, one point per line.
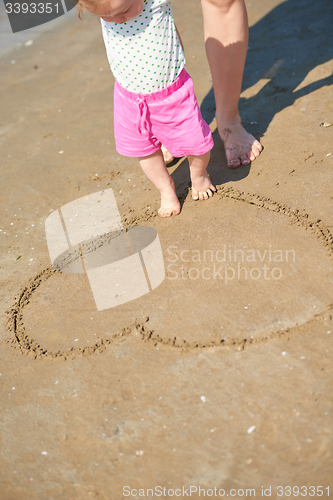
x=284, y=46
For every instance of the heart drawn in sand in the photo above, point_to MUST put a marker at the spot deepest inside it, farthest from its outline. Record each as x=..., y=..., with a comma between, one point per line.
x=197, y=309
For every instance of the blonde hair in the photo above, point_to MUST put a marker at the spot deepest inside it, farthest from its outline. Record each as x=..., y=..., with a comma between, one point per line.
x=79, y=9
x=82, y=5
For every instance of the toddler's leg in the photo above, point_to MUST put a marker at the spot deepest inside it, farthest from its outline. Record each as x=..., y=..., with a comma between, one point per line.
x=202, y=188
x=155, y=169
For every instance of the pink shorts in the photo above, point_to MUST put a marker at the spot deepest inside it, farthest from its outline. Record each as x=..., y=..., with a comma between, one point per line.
x=171, y=116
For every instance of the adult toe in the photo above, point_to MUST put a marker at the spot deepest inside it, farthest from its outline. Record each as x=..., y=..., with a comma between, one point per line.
x=233, y=162
x=245, y=159
x=255, y=151
x=258, y=145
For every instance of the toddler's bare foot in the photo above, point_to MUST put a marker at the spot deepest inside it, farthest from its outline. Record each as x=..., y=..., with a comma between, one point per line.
x=240, y=147
x=170, y=204
x=168, y=158
x=167, y=212
x=203, y=187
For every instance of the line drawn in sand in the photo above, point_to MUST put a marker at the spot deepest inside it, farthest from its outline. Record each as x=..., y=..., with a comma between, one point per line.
x=140, y=329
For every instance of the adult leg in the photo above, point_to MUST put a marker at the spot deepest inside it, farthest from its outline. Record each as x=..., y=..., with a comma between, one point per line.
x=155, y=169
x=226, y=39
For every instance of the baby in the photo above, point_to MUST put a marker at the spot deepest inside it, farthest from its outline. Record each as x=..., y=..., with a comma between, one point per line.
x=154, y=101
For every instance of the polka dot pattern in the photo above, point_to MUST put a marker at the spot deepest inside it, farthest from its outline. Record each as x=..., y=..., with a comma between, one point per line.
x=144, y=53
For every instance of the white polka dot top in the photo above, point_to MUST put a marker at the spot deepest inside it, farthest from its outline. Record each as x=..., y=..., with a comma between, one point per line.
x=144, y=53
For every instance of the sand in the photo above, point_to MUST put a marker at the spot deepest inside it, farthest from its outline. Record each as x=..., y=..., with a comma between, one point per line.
x=221, y=377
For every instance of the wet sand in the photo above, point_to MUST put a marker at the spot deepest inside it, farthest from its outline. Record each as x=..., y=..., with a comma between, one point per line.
x=221, y=376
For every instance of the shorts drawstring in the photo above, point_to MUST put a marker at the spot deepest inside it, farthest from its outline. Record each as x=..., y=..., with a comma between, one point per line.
x=143, y=117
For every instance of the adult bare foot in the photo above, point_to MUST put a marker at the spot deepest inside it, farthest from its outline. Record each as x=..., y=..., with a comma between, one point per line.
x=240, y=147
